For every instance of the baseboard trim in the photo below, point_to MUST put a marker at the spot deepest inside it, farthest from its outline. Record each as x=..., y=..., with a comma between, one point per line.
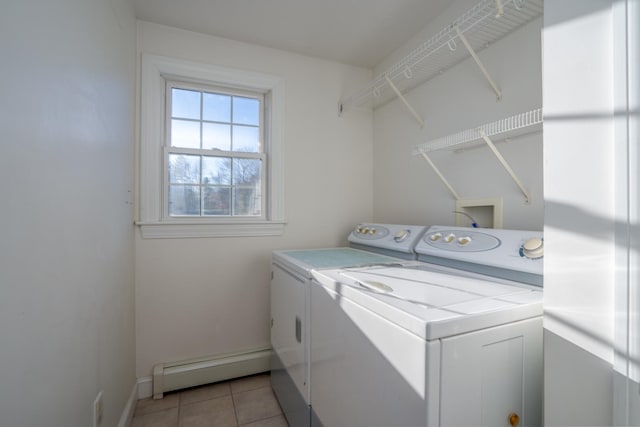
x=145, y=387
x=129, y=408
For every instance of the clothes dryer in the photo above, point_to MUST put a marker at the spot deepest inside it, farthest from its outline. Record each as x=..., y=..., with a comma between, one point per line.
x=291, y=274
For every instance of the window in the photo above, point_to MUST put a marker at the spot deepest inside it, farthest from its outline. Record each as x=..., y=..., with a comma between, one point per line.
x=215, y=152
x=210, y=151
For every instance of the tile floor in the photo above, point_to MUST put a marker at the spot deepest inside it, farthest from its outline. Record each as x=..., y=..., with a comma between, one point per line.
x=247, y=401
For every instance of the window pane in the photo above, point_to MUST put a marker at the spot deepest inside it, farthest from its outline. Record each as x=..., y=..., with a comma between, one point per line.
x=216, y=201
x=184, y=200
x=184, y=169
x=185, y=104
x=246, y=201
x=246, y=139
x=246, y=111
x=216, y=136
x=246, y=172
x=185, y=134
x=216, y=170
x=216, y=107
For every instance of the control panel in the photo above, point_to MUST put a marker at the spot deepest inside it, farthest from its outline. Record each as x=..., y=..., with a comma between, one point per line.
x=462, y=240
x=371, y=231
x=392, y=237
x=517, y=250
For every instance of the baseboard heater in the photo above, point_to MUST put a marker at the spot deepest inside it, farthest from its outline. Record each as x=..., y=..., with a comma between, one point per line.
x=190, y=373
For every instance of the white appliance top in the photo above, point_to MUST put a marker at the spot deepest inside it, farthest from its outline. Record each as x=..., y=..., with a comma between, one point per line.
x=434, y=302
x=390, y=239
x=371, y=244
x=305, y=260
x=509, y=254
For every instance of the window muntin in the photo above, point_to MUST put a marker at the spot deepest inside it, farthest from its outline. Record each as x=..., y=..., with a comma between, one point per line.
x=215, y=153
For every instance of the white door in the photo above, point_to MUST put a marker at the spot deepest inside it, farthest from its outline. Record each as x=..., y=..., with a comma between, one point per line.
x=493, y=377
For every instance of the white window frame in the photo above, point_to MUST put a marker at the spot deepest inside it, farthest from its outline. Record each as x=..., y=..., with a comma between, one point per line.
x=153, y=222
x=259, y=155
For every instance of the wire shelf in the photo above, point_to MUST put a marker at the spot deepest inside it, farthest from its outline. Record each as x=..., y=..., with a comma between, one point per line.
x=509, y=126
x=480, y=25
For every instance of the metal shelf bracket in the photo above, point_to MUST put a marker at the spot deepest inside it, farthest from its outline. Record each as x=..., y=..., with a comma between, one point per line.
x=482, y=67
x=504, y=163
x=442, y=178
x=404, y=100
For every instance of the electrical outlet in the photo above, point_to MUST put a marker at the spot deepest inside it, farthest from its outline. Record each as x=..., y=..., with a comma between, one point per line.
x=98, y=409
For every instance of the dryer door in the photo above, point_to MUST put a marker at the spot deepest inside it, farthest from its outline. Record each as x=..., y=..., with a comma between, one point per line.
x=289, y=365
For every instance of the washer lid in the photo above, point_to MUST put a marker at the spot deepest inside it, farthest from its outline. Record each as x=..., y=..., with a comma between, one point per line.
x=305, y=260
x=434, y=304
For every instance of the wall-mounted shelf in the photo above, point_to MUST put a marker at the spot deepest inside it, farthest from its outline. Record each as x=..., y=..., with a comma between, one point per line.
x=510, y=127
x=480, y=26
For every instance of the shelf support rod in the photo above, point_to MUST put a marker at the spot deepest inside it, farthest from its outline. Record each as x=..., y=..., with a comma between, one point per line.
x=499, y=8
x=442, y=178
x=505, y=164
x=405, y=102
x=482, y=68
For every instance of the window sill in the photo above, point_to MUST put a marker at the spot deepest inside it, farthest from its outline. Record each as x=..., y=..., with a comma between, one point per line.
x=193, y=229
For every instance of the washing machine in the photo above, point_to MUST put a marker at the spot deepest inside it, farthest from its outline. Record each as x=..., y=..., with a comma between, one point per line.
x=291, y=274
x=453, y=340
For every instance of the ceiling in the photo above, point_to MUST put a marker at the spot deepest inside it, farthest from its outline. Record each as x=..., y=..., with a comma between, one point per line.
x=356, y=32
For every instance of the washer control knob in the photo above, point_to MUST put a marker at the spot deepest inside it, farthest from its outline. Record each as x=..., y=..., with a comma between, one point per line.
x=450, y=238
x=533, y=248
x=464, y=240
x=401, y=235
x=435, y=237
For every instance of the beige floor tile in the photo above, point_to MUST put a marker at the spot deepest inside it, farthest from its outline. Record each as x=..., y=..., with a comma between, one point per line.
x=250, y=383
x=162, y=418
x=205, y=392
x=216, y=412
x=255, y=405
x=146, y=406
x=279, y=421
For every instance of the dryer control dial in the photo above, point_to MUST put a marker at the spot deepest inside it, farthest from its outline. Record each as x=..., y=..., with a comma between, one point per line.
x=435, y=237
x=450, y=238
x=533, y=248
x=401, y=235
x=464, y=240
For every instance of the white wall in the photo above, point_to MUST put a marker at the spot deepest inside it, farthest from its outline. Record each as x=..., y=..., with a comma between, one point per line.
x=66, y=234
x=199, y=297
x=580, y=197
x=586, y=197
x=406, y=189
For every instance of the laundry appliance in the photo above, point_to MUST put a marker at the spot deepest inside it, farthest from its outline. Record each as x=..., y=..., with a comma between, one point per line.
x=452, y=340
x=291, y=274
